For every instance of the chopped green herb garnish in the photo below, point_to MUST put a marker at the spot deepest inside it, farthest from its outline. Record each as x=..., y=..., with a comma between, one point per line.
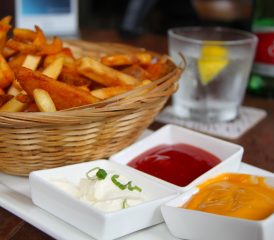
x=124, y=203
x=131, y=188
x=124, y=186
x=117, y=183
x=100, y=174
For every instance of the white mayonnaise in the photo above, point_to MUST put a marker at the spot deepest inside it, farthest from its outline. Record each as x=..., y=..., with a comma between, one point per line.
x=103, y=194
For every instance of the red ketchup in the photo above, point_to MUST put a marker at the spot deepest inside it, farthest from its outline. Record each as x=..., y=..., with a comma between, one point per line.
x=179, y=164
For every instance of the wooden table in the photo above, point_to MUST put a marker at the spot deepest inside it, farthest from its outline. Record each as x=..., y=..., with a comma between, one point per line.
x=257, y=142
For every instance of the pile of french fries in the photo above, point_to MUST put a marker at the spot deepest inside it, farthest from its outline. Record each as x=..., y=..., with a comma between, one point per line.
x=37, y=74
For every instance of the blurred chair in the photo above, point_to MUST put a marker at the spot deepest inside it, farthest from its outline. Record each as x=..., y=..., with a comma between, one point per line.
x=135, y=13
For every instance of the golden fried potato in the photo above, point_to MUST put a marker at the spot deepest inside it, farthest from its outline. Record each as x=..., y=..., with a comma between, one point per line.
x=22, y=47
x=103, y=74
x=31, y=108
x=4, y=28
x=104, y=93
x=136, y=71
x=24, y=35
x=17, y=61
x=52, y=48
x=66, y=54
x=157, y=70
x=24, y=98
x=31, y=62
x=13, y=105
x=142, y=58
x=40, y=40
x=72, y=77
x=39, y=46
x=43, y=100
x=8, y=52
x=54, y=69
x=4, y=98
x=6, y=74
x=63, y=95
x=15, y=88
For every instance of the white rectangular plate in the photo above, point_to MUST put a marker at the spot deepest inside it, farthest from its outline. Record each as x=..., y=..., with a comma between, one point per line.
x=15, y=197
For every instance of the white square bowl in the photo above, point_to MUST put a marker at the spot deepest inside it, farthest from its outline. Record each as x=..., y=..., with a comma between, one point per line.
x=96, y=223
x=191, y=224
x=230, y=154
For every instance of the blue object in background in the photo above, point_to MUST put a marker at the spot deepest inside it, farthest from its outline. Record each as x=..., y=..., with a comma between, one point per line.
x=34, y=7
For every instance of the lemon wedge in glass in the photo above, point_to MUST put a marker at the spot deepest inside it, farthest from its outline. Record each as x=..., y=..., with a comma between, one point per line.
x=213, y=59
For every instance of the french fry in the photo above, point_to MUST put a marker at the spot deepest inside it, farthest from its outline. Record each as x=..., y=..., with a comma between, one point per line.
x=24, y=35
x=2, y=92
x=13, y=105
x=6, y=74
x=136, y=71
x=8, y=52
x=4, y=28
x=31, y=108
x=103, y=74
x=15, y=88
x=157, y=70
x=6, y=20
x=17, y=61
x=40, y=40
x=63, y=95
x=24, y=98
x=4, y=98
x=119, y=60
x=72, y=77
x=53, y=48
x=43, y=100
x=22, y=47
x=104, y=93
x=53, y=70
x=142, y=58
x=145, y=82
x=31, y=62
x=84, y=88
x=66, y=54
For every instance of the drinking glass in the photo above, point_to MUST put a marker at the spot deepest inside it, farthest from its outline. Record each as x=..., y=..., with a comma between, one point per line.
x=218, y=61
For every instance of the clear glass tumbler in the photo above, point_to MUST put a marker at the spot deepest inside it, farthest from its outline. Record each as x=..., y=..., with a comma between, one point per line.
x=218, y=61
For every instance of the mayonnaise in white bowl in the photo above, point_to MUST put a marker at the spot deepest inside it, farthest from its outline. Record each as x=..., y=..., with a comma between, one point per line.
x=57, y=191
x=112, y=193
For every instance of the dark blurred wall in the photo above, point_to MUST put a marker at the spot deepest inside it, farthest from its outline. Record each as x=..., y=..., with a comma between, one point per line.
x=6, y=8
x=154, y=16
x=159, y=15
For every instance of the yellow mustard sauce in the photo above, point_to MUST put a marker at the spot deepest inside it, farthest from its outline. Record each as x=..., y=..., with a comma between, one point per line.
x=235, y=195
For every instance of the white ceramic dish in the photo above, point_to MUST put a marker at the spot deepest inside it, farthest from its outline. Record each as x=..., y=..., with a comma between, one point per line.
x=79, y=214
x=15, y=198
x=191, y=224
x=230, y=154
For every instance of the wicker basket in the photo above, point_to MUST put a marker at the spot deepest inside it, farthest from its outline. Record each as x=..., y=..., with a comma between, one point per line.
x=33, y=141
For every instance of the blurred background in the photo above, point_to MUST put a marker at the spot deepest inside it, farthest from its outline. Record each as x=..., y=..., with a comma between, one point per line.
x=132, y=18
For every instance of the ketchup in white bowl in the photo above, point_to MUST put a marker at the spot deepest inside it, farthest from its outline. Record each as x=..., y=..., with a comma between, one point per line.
x=178, y=164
